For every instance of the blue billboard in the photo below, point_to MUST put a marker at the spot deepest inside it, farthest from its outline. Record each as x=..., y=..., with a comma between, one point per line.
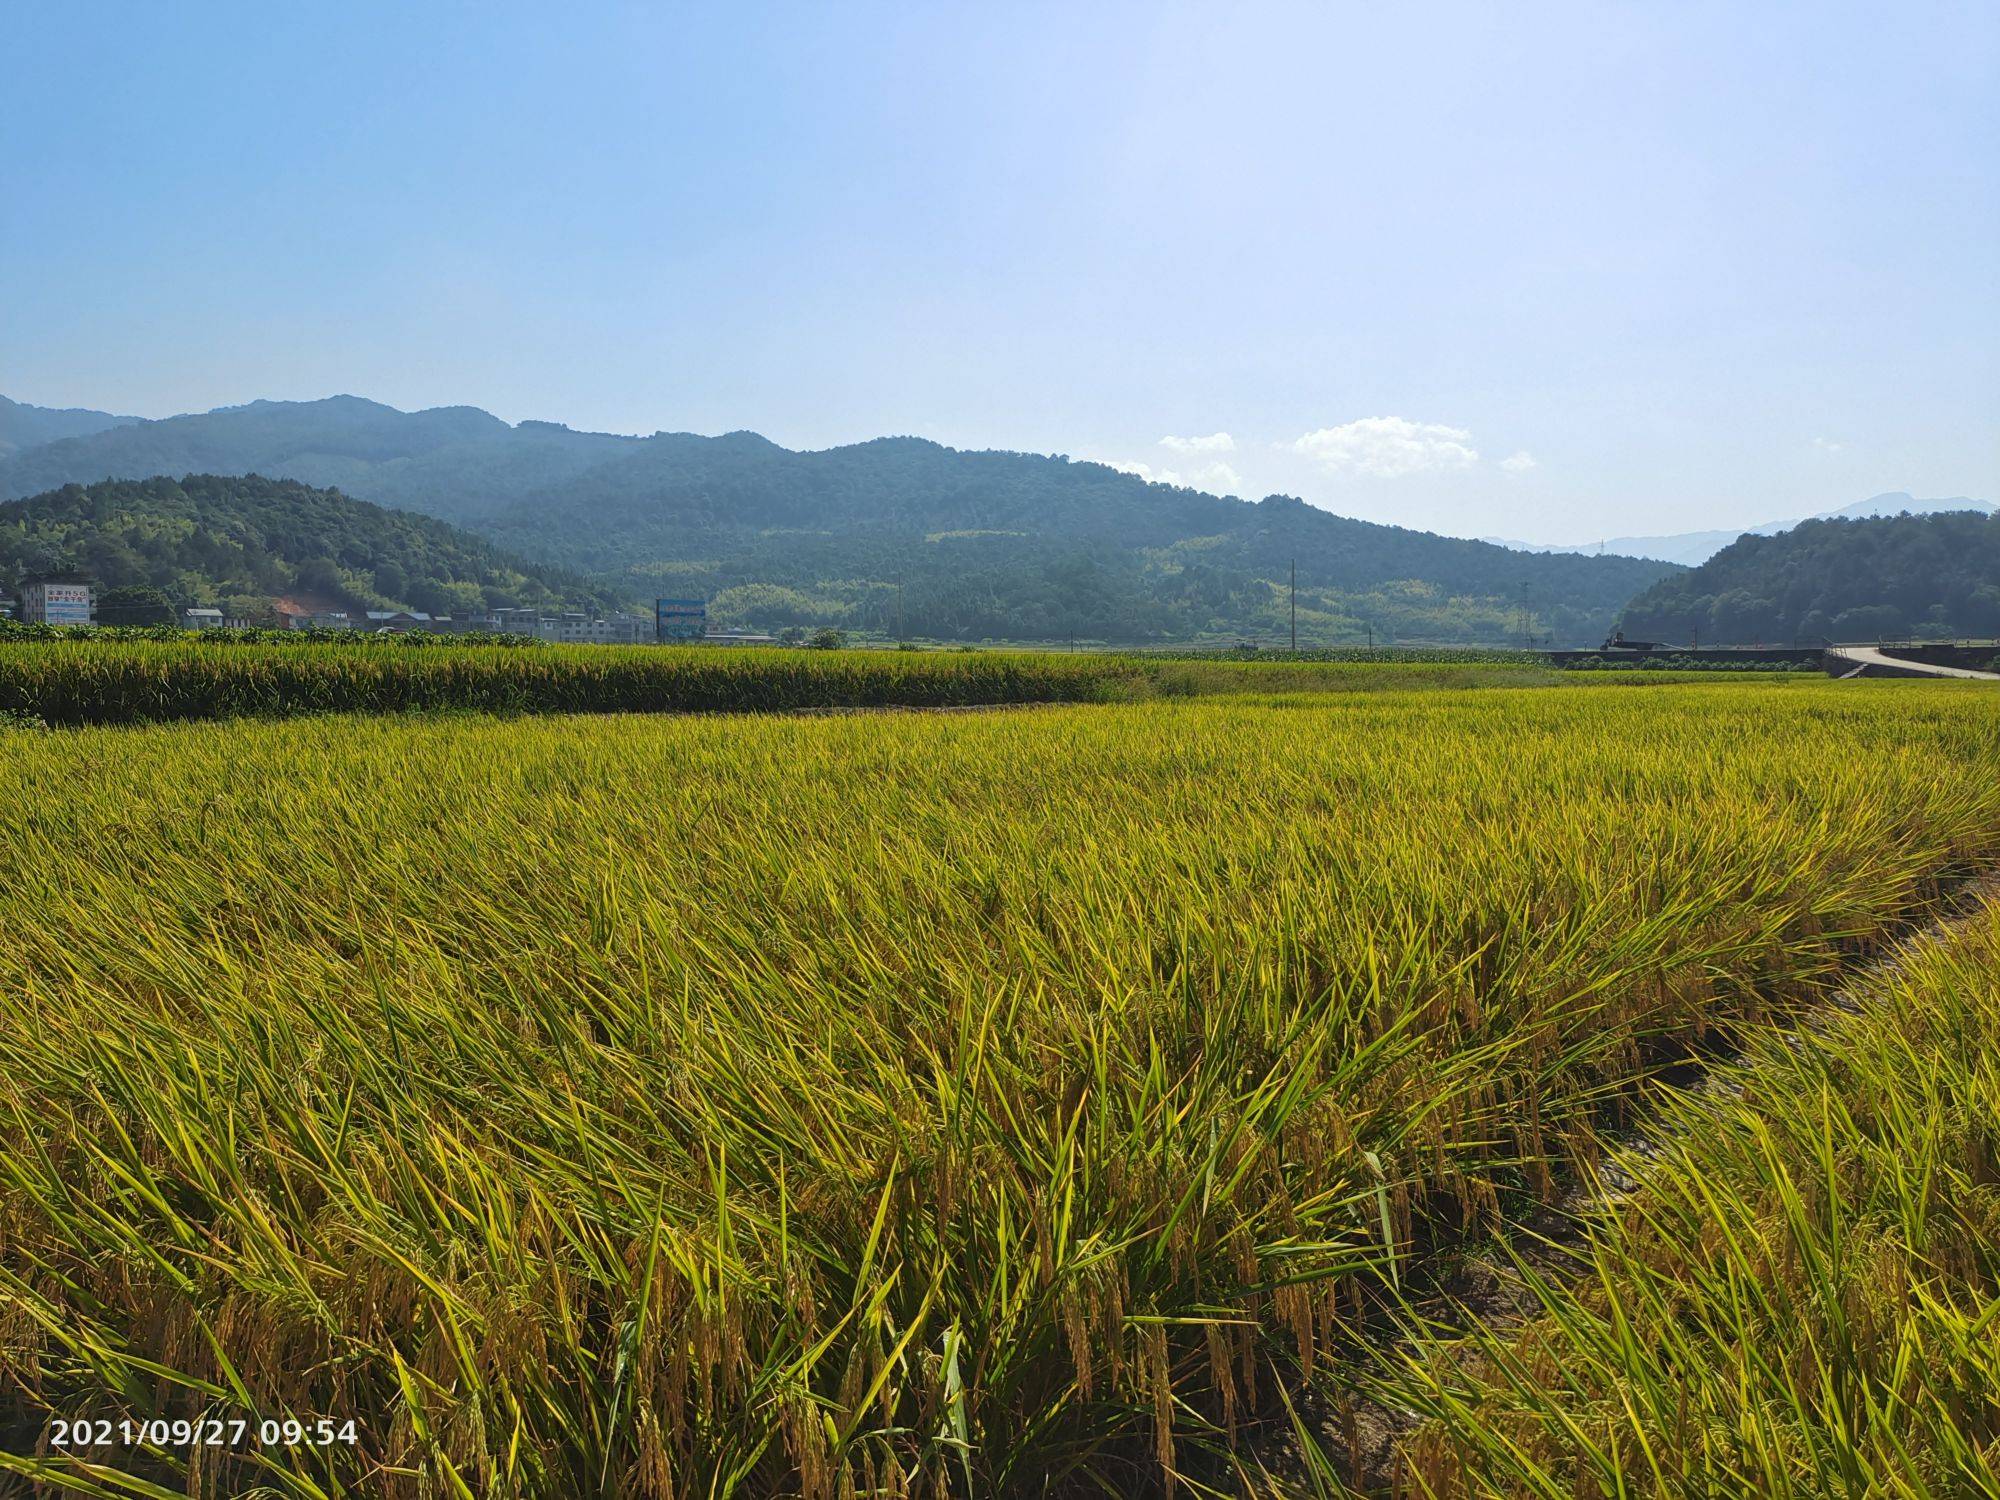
x=680, y=619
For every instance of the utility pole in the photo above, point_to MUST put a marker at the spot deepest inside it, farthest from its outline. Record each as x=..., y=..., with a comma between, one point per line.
x=1295, y=606
x=1371, y=635
x=902, y=638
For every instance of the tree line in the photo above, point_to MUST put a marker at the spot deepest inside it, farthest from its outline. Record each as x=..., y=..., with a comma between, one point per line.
x=1888, y=577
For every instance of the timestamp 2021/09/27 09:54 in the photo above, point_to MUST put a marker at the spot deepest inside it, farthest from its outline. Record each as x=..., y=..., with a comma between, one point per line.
x=73, y=1433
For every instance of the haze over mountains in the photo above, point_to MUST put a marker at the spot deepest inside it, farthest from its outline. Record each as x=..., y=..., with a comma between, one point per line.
x=890, y=535
x=1692, y=548
x=23, y=427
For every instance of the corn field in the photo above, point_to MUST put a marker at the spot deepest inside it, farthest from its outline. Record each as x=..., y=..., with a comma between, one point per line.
x=89, y=681
x=120, y=682
x=1012, y=1104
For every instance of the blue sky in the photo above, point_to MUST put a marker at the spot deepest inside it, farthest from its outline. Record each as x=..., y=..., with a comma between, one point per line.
x=1545, y=271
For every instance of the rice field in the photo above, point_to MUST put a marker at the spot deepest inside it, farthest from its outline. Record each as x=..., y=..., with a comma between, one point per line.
x=1799, y=1297
x=1013, y=1104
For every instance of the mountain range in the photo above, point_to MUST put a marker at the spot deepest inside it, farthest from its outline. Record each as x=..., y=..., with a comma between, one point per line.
x=23, y=427
x=898, y=535
x=1691, y=548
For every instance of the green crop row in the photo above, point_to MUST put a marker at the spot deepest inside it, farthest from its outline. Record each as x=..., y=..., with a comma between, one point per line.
x=1678, y=662
x=15, y=632
x=123, y=681
x=89, y=682
x=1378, y=655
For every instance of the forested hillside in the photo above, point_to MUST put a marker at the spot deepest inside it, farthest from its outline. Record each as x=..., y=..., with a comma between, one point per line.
x=898, y=534
x=1859, y=580
x=1027, y=546
x=244, y=542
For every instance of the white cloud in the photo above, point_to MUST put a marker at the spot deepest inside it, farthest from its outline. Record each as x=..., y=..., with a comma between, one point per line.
x=1389, y=447
x=1219, y=479
x=1520, y=462
x=1828, y=445
x=1215, y=442
x=1145, y=471
x=1215, y=478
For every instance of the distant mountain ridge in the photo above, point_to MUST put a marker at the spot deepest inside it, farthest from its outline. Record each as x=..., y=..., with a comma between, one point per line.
x=1691, y=548
x=23, y=427
x=893, y=535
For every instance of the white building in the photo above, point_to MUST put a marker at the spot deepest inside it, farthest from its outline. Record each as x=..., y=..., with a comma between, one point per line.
x=577, y=628
x=624, y=629
x=56, y=603
x=201, y=619
x=513, y=621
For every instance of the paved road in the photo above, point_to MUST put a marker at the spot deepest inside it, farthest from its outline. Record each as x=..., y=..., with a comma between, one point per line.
x=1869, y=656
